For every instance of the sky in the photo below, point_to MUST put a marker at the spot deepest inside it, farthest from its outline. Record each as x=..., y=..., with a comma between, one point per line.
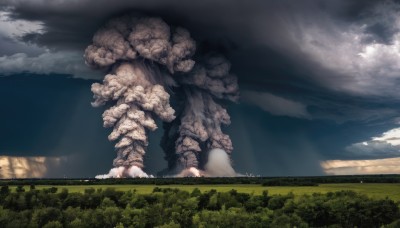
x=319, y=84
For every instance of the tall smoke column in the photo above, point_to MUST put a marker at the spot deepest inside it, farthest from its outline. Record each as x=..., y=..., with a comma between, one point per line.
x=145, y=58
x=137, y=98
x=202, y=117
x=130, y=47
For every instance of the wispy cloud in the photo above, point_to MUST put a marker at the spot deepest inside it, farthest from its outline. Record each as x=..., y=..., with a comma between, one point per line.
x=18, y=27
x=276, y=105
x=384, y=146
x=61, y=62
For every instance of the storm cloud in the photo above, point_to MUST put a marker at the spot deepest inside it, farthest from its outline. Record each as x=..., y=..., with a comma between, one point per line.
x=322, y=76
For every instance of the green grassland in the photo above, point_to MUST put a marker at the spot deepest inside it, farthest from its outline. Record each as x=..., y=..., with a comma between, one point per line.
x=375, y=190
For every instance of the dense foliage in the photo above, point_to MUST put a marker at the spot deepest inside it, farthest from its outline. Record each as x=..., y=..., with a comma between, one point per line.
x=267, y=181
x=167, y=207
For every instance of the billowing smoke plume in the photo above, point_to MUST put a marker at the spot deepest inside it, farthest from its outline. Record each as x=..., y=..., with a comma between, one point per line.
x=146, y=58
x=199, y=125
x=121, y=171
x=219, y=165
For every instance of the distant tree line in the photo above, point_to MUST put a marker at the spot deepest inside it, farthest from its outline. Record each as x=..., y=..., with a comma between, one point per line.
x=166, y=207
x=288, y=182
x=268, y=181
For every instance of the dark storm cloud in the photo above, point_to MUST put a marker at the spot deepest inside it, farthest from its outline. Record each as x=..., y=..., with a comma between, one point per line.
x=378, y=23
x=263, y=39
x=8, y=46
x=332, y=64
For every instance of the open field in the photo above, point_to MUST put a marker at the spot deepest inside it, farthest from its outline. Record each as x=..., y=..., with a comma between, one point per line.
x=376, y=190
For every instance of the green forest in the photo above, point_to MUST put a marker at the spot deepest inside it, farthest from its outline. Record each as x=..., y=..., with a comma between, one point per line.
x=171, y=207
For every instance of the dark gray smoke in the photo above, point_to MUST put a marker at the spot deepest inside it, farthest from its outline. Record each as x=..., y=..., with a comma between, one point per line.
x=146, y=58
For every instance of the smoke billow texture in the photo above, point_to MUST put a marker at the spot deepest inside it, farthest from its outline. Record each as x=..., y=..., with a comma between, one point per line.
x=145, y=58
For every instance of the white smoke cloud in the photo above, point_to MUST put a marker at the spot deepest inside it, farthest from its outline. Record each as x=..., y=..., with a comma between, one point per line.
x=134, y=171
x=113, y=173
x=120, y=172
x=190, y=172
x=219, y=164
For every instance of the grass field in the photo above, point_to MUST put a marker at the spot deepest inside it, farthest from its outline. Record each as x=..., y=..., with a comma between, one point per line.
x=377, y=191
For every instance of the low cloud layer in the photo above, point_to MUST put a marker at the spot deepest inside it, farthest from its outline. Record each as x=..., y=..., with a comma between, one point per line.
x=27, y=167
x=45, y=63
x=354, y=167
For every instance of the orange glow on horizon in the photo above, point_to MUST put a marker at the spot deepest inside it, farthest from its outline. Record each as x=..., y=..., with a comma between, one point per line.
x=25, y=167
